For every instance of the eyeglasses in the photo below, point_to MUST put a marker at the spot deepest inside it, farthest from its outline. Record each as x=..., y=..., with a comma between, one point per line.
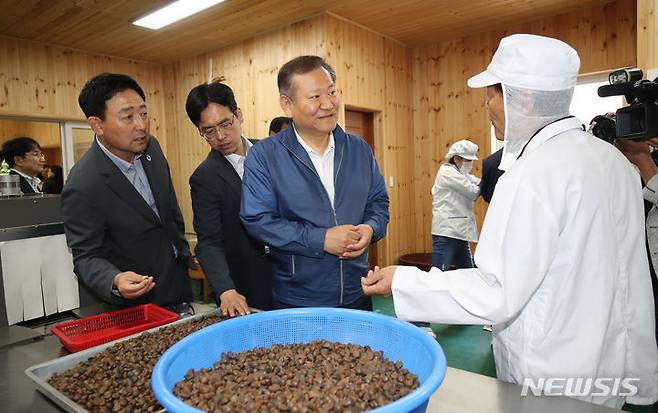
x=213, y=132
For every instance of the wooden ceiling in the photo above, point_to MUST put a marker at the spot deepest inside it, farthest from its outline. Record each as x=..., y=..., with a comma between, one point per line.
x=104, y=26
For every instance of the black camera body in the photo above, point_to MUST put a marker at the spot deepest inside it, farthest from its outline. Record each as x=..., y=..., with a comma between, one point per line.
x=638, y=120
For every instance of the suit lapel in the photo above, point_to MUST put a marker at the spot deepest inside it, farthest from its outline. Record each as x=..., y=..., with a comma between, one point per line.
x=226, y=171
x=118, y=183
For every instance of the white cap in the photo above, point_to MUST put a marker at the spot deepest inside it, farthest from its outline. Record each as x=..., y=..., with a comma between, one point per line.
x=464, y=148
x=531, y=62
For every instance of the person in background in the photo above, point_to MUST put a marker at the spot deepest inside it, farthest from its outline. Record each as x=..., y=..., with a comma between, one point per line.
x=640, y=154
x=235, y=265
x=490, y=171
x=314, y=194
x=453, y=195
x=562, y=270
x=45, y=173
x=121, y=216
x=24, y=157
x=55, y=181
x=278, y=124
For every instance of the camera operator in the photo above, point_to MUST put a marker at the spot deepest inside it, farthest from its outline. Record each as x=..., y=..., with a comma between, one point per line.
x=603, y=126
x=639, y=153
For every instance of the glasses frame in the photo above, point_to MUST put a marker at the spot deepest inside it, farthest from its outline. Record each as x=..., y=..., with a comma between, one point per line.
x=223, y=128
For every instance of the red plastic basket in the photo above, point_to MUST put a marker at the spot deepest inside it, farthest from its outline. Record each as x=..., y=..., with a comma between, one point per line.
x=99, y=329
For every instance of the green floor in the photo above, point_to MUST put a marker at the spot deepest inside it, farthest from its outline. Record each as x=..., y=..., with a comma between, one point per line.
x=466, y=347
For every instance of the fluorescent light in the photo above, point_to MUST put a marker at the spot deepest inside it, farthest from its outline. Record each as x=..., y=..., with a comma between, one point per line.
x=177, y=10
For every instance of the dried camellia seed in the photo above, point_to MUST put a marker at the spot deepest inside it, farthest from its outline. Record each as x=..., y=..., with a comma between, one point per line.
x=118, y=379
x=318, y=376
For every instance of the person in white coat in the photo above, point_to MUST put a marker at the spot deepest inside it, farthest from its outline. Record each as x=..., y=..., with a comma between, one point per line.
x=562, y=271
x=453, y=195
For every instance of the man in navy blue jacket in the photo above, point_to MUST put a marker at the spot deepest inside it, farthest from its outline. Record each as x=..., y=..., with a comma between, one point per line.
x=315, y=195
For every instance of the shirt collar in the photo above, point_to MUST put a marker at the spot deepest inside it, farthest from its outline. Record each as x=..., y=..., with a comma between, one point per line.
x=34, y=181
x=247, y=147
x=120, y=163
x=308, y=149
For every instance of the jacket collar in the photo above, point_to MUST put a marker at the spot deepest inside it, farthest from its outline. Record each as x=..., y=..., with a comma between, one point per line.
x=226, y=171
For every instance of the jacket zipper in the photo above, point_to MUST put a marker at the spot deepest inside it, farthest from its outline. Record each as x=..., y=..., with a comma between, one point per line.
x=292, y=257
x=333, y=211
x=340, y=262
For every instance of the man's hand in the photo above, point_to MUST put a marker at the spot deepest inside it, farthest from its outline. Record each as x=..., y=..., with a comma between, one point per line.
x=232, y=303
x=379, y=281
x=132, y=285
x=358, y=248
x=337, y=239
x=639, y=153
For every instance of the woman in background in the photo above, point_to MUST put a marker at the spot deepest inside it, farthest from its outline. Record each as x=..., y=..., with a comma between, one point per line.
x=453, y=195
x=55, y=181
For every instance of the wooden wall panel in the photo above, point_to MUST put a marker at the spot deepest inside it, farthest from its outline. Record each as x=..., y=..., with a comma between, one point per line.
x=396, y=152
x=42, y=81
x=357, y=55
x=446, y=110
x=46, y=133
x=187, y=148
x=647, y=34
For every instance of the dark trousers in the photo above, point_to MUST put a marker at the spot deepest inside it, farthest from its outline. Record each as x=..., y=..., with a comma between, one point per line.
x=448, y=252
x=363, y=303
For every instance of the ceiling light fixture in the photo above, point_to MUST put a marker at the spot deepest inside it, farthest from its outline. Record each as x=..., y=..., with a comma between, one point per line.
x=175, y=11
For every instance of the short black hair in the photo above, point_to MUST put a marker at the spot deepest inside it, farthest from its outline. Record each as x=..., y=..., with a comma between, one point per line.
x=277, y=123
x=17, y=147
x=102, y=88
x=299, y=66
x=57, y=171
x=201, y=96
x=498, y=87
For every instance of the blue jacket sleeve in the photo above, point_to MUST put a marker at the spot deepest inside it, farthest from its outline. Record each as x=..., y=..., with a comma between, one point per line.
x=376, y=212
x=259, y=214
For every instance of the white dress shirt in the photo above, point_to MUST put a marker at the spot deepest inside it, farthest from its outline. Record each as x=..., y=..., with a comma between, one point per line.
x=236, y=160
x=323, y=163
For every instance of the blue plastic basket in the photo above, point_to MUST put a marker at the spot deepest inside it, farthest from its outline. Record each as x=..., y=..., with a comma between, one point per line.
x=399, y=340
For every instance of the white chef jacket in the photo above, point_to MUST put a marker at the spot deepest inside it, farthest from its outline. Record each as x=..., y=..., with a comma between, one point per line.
x=562, y=269
x=453, y=196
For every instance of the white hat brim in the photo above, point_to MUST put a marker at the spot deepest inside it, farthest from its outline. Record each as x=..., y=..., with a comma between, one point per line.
x=483, y=79
x=469, y=157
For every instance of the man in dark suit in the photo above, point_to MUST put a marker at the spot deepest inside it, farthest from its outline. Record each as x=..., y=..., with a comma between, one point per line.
x=23, y=155
x=490, y=171
x=235, y=265
x=121, y=216
x=490, y=174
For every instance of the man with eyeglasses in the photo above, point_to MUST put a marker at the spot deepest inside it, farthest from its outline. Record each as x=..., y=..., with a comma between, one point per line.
x=121, y=216
x=235, y=265
x=315, y=195
x=24, y=157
